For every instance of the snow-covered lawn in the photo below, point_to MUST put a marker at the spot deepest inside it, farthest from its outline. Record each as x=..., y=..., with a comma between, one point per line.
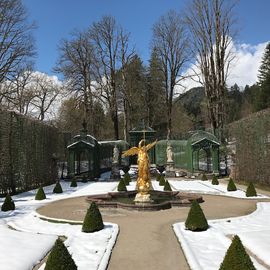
x=22, y=248
x=206, y=250
x=206, y=187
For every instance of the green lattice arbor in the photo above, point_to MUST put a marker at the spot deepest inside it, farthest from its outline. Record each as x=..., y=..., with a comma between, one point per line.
x=200, y=152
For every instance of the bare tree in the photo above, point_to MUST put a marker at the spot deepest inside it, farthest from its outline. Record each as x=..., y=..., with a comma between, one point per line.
x=111, y=44
x=211, y=25
x=16, y=42
x=170, y=43
x=46, y=91
x=77, y=62
x=20, y=93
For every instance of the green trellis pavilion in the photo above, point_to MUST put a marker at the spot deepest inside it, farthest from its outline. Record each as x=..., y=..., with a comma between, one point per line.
x=200, y=152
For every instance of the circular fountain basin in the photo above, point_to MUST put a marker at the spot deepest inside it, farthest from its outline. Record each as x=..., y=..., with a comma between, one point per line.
x=160, y=200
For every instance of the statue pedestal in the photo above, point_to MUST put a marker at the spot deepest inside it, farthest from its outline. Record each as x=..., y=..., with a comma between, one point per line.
x=142, y=198
x=170, y=171
x=115, y=173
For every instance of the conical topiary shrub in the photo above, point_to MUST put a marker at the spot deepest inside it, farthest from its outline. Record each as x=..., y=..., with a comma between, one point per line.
x=73, y=182
x=121, y=186
x=162, y=180
x=196, y=220
x=231, y=185
x=93, y=220
x=58, y=188
x=8, y=204
x=158, y=177
x=59, y=258
x=167, y=186
x=236, y=257
x=84, y=179
x=204, y=177
x=251, y=191
x=40, y=194
x=127, y=179
x=215, y=180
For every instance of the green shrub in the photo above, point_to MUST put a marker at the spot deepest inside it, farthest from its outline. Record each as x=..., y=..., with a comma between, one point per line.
x=121, y=186
x=59, y=258
x=58, y=188
x=215, y=180
x=251, y=191
x=93, y=220
x=8, y=204
x=231, y=185
x=127, y=179
x=236, y=257
x=196, y=220
x=204, y=177
x=40, y=194
x=158, y=177
x=162, y=180
x=84, y=179
x=167, y=186
x=73, y=182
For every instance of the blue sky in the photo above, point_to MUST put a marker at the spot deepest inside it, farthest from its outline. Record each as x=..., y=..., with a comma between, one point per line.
x=57, y=18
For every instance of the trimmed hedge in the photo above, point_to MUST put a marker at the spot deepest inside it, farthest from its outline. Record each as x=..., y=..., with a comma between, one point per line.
x=196, y=220
x=127, y=178
x=251, y=191
x=93, y=220
x=204, y=177
x=73, y=182
x=58, y=188
x=40, y=194
x=121, y=186
x=236, y=257
x=215, y=180
x=167, y=186
x=162, y=180
x=8, y=204
x=59, y=258
x=231, y=186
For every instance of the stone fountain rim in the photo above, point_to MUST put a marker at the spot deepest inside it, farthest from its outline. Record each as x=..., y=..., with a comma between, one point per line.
x=100, y=200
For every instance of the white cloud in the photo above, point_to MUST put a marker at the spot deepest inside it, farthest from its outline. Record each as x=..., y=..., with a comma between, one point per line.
x=243, y=71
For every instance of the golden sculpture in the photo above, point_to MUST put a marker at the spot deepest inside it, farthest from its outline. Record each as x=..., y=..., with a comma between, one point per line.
x=143, y=180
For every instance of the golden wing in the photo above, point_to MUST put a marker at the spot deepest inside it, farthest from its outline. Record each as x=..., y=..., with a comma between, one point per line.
x=150, y=145
x=131, y=152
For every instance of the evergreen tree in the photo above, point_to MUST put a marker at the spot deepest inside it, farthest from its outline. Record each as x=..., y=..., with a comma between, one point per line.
x=251, y=191
x=59, y=258
x=58, y=188
x=8, y=204
x=215, y=180
x=40, y=194
x=196, y=220
x=264, y=79
x=121, y=186
x=231, y=185
x=167, y=186
x=236, y=257
x=93, y=220
x=155, y=92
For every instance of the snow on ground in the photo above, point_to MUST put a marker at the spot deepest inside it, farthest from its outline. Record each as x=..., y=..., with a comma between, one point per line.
x=35, y=237
x=206, y=187
x=253, y=230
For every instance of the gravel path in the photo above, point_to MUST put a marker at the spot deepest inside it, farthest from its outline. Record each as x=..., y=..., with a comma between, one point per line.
x=146, y=239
